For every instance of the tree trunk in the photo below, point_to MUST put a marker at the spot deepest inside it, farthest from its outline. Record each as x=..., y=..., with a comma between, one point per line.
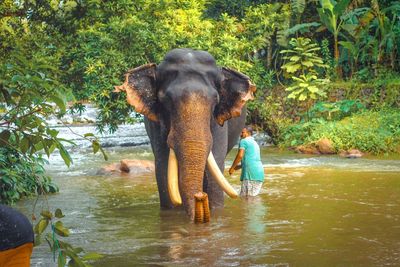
x=336, y=54
x=269, y=55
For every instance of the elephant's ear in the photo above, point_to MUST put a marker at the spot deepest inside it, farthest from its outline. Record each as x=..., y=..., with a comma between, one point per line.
x=140, y=90
x=236, y=89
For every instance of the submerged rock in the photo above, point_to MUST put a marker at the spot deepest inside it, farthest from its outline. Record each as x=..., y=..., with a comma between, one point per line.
x=131, y=167
x=307, y=149
x=351, y=154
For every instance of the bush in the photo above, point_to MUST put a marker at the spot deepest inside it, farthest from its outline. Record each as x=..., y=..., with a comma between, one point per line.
x=22, y=176
x=369, y=131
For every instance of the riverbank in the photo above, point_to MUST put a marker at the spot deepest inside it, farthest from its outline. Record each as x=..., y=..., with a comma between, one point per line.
x=373, y=132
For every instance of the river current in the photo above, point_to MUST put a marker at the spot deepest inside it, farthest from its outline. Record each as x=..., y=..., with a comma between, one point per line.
x=312, y=211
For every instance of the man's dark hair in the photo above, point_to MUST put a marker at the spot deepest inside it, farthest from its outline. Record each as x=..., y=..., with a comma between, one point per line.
x=249, y=129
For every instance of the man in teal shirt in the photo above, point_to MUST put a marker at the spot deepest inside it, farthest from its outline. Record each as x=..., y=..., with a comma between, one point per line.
x=252, y=176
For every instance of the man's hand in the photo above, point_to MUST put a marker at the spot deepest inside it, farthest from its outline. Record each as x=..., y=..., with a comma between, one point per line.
x=231, y=170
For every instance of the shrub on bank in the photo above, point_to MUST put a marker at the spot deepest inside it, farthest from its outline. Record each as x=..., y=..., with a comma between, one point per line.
x=369, y=131
x=22, y=176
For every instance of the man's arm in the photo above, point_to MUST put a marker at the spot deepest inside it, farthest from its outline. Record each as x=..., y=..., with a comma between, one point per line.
x=238, y=158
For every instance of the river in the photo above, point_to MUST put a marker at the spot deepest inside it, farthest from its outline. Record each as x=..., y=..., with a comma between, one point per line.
x=312, y=211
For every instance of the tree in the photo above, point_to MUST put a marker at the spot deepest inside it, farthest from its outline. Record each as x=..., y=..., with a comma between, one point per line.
x=330, y=14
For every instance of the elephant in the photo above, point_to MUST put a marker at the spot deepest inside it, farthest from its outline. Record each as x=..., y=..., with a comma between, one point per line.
x=186, y=100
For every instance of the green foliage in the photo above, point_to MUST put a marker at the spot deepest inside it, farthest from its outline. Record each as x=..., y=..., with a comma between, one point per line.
x=62, y=250
x=215, y=8
x=369, y=131
x=22, y=176
x=331, y=15
x=89, y=45
x=302, y=64
x=302, y=57
x=383, y=91
x=327, y=58
x=265, y=24
x=336, y=110
x=306, y=87
x=301, y=28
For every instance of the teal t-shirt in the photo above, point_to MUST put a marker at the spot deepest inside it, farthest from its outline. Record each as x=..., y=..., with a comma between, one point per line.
x=252, y=168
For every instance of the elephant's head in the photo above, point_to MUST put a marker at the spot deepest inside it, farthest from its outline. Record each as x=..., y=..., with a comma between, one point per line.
x=187, y=93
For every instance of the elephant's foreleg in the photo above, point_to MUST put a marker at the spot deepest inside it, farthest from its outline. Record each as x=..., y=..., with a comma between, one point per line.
x=161, y=152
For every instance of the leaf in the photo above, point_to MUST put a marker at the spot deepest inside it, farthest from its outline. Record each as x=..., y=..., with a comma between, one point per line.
x=24, y=144
x=105, y=156
x=367, y=18
x=37, y=240
x=294, y=58
x=59, y=214
x=64, y=154
x=326, y=20
x=78, y=250
x=41, y=226
x=60, y=229
x=291, y=68
x=62, y=259
x=326, y=4
x=350, y=28
x=313, y=89
x=340, y=7
x=92, y=256
x=76, y=261
x=59, y=101
x=53, y=133
x=302, y=28
x=47, y=214
x=307, y=63
x=348, y=45
x=96, y=146
x=302, y=97
x=88, y=134
x=4, y=136
x=70, y=5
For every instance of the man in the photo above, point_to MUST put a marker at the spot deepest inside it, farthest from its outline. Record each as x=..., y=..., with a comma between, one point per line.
x=252, y=176
x=16, y=238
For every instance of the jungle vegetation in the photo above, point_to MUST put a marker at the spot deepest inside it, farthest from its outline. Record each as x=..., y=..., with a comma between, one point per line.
x=323, y=68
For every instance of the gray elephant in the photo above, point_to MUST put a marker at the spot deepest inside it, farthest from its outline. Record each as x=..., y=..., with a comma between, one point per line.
x=185, y=100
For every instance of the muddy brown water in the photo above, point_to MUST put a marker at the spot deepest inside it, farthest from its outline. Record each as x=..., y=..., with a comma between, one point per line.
x=312, y=211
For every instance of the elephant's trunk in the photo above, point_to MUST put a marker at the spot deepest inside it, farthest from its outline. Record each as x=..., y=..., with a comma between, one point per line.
x=192, y=160
x=191, y=141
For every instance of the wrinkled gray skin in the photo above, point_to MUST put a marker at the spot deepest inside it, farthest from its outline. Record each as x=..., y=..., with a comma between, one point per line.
x=223, y=138
x=192, y=106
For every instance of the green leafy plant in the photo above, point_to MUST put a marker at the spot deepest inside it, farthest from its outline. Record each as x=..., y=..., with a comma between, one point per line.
x=22, y=175
x=330, y=14
x=369, y=131
x=336, y=110
x=303, y=63
x=302, y=57
x=306, y=86
x=65, y=253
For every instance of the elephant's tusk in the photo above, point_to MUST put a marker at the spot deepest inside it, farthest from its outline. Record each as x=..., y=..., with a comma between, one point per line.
x=219, y=177
x=173, y=186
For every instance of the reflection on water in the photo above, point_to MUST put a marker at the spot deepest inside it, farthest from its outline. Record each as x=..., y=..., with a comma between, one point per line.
x=256, y=215
x=326, y=211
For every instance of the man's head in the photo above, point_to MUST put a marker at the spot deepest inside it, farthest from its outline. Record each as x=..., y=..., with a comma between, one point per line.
x=246, y=132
